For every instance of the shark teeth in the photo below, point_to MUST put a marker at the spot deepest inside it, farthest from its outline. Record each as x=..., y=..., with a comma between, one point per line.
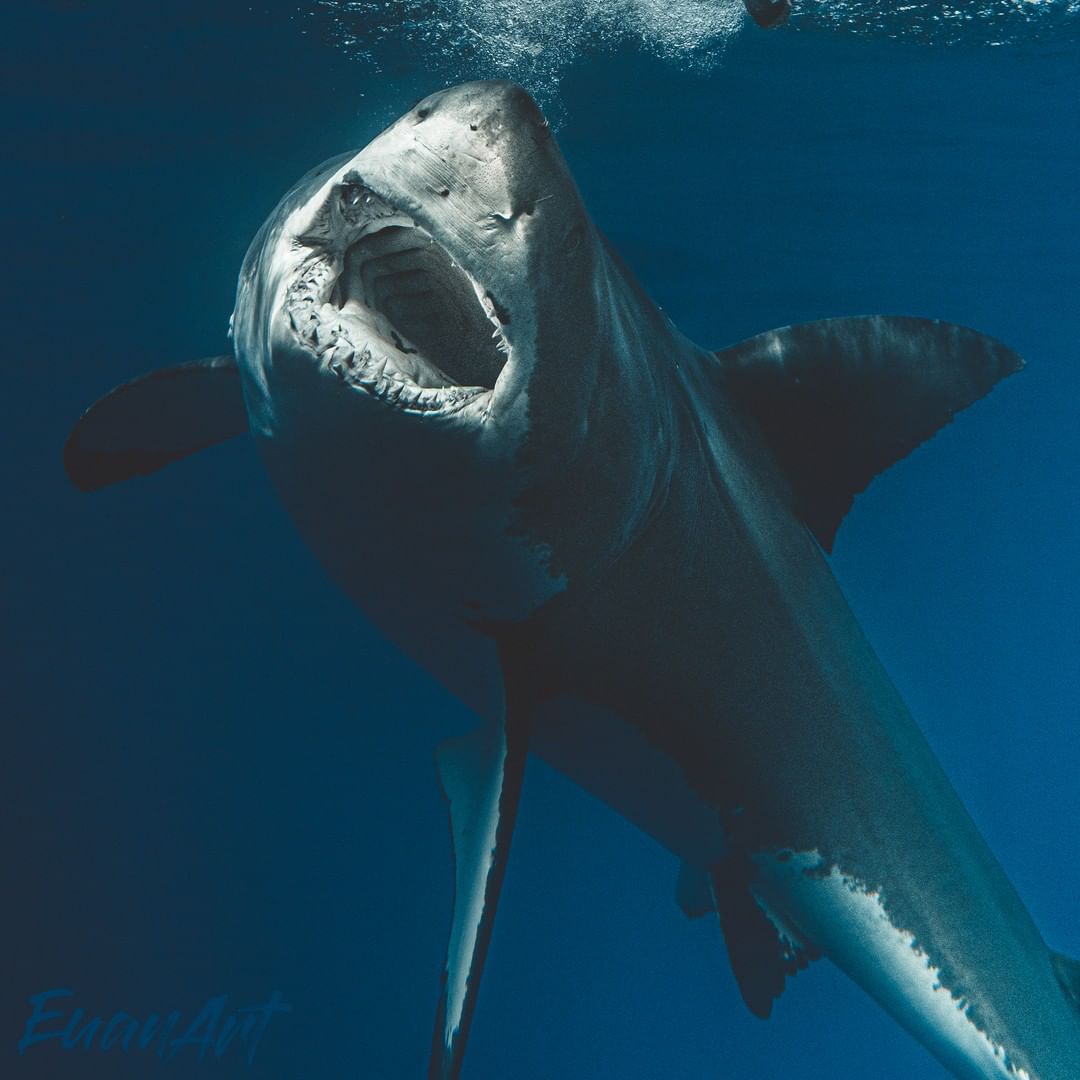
x=394, y=380
x=496, y=315
x=367, y=370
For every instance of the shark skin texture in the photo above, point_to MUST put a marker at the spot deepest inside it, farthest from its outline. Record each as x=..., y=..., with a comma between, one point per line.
x=613, y=548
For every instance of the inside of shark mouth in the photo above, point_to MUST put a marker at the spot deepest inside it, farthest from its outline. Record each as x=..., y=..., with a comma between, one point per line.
x=400, y=319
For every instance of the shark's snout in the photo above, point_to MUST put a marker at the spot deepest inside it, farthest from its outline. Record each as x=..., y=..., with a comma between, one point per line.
x=488, y=108
x=421, y=267
x=493, y=140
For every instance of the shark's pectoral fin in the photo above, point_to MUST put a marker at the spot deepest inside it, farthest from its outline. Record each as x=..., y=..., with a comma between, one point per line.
x=155, y=419
x=762, y=950
x=481, y=775
x=841, y=400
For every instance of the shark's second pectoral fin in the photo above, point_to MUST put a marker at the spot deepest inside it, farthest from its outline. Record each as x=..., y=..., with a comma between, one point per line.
x=762, y=951
x=841, y=400
x=481, y=775
x=156, y=419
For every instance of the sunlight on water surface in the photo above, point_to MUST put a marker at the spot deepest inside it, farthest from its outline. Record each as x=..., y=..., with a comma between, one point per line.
x=973, y=22
x=534, y=41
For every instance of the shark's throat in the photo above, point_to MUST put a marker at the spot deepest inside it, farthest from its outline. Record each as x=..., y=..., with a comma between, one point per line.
x=382, y=305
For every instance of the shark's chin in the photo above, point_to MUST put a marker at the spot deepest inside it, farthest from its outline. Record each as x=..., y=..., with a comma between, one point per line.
x=381, y=305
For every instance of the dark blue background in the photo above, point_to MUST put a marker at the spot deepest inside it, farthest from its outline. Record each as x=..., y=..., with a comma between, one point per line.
x=221, y=778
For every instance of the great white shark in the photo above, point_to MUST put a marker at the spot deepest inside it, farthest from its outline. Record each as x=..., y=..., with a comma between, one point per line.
x=611, y=544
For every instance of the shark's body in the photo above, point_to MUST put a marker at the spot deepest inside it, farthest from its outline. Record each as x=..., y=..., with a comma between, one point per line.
x=608, y=542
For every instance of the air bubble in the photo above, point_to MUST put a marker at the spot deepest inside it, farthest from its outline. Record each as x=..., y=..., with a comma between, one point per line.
x=532, y=41
x=535, y=41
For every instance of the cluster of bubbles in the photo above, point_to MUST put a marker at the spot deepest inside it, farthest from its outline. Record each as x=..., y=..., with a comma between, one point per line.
x=954, y=22
x=534, y=41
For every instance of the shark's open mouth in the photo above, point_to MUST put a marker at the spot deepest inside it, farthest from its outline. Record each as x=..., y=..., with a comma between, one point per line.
x=385, y=308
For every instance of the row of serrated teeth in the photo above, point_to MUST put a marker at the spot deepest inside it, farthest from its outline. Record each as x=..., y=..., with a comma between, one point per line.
x=319, y=325
x=374, y=371
x=368, y=369
x=498, y=323
x=305, y=295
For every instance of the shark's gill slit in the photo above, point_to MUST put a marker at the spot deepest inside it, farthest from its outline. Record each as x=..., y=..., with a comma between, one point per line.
x=422, y=303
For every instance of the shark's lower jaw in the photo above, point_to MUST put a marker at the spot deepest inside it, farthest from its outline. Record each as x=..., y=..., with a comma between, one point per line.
x=384, y=307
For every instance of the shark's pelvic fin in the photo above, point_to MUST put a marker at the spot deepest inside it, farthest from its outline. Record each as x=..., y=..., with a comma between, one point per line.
x=155, y=419
x=481, y=775
x=841, y=400
x=762, y=951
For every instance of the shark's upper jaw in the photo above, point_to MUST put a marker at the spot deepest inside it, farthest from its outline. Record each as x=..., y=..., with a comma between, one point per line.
x=381, y=305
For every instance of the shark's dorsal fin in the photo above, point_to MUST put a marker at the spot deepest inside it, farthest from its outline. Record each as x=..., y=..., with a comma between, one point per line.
x=762, y=953
x=841, y=400
x=481, y=775
x=156, y=419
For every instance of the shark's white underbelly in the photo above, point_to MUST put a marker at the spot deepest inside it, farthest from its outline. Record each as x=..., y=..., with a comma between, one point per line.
x=852, y=925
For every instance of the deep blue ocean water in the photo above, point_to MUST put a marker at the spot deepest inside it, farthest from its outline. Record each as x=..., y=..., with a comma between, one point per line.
x=220, y=778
